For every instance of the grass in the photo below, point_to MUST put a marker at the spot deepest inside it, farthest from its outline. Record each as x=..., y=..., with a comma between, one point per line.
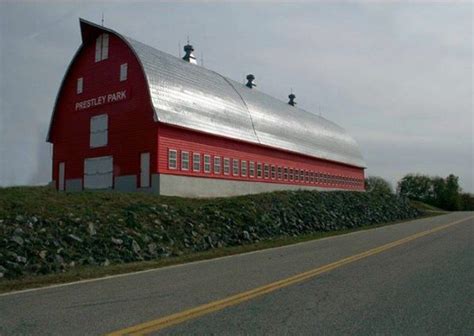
x=426, y=207
x=92, y=272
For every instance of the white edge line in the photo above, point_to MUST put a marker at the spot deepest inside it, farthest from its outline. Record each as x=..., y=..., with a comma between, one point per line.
x=22, y=291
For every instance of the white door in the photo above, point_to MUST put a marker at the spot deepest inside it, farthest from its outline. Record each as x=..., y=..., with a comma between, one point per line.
x=61, y=175
x=98, y=172
x=144, y=170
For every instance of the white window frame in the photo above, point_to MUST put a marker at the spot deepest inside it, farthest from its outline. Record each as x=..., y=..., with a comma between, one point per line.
x=291, y=175
x=207, y=163
x=226, y=166
x=102, y=47
x=185, y=160
x=259, y=170
x=251, y=169
x=196, y=163
x=123, y=72
x=235, y=167
x=217, y=165
x=285, y=173
x=243, y=168
x=273, y=172
x=279, y=172
x=266, y=171
x=99, y=134
x=172, y=161
x=80, y=85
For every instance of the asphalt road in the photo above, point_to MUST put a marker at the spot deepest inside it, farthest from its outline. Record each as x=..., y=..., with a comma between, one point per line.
x=422, y=285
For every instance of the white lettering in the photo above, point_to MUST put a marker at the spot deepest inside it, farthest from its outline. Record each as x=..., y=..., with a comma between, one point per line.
x=100, y=100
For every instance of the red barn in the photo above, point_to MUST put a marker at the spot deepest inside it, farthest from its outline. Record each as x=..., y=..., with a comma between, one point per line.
x=130, y=117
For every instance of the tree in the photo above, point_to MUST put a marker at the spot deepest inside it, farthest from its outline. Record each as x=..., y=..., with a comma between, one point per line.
x=416, y=187
x=378, y=185
x=452, y=194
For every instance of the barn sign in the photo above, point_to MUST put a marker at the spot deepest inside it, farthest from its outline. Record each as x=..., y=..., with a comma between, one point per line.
x=101, y=100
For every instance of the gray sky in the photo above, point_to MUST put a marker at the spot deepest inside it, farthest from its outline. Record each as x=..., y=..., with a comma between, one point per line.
x=398, y=76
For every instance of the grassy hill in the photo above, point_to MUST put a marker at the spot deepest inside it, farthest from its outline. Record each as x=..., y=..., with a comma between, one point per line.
x=43, y=231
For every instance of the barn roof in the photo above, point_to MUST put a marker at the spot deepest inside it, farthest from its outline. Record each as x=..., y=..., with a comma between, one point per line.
x=191, y=96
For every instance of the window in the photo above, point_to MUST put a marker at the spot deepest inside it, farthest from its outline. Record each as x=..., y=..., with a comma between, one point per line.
x=251, y=169
x=301, y=175
x=172, y=159
x=184, y=160
x=102, y=47
x=306, y=176
x=196, y=162
x=98, y=131
x=273, y=172
x=235, y=167
x=226, y=166
x=291, y=174
x=217, y=164
x=267, y=171
x=80, y=85
x=297, y=175
x=243, y=168
x=123, y=72
x=207, y=163
x=285, y=173
x=311, y=177
x=279, y=173
x=259, y=170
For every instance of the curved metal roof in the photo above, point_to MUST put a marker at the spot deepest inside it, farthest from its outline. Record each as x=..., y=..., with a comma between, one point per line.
x=192, y=96
x=189, y=95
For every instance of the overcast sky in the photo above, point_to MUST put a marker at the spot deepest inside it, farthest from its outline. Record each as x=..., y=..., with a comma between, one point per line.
x=398, y=76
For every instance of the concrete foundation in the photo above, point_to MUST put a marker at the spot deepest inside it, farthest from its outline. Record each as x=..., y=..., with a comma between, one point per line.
x=188, y=186
x=126, y=183
x=73, y=185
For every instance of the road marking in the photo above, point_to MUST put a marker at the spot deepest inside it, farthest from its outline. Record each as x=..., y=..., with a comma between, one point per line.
x=173, y=319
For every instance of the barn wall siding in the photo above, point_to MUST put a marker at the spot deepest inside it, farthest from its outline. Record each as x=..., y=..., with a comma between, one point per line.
x=131, y=128
x=183, y=139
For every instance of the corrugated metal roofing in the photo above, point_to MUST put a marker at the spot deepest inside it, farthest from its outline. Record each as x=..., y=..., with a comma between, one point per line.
x=192, y=96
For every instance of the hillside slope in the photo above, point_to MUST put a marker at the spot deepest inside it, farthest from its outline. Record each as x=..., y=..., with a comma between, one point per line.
x=43, y=231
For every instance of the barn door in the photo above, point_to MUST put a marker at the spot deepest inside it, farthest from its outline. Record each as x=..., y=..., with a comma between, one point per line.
x=61, y=175
x=144, y=170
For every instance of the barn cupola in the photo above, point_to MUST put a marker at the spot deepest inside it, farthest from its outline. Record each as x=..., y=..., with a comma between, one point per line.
x=292, y=99
x=189, y=56
x=250, y=79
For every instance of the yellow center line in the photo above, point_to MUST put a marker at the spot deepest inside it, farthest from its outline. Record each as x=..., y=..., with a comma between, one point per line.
x=173, y=319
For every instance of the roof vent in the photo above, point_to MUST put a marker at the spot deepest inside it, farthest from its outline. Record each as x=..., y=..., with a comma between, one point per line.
x=292, y=99
x=250, y=79
x=189, y=56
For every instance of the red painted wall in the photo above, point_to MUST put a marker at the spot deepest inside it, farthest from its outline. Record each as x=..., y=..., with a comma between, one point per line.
x=192, y=141
x=132, y=129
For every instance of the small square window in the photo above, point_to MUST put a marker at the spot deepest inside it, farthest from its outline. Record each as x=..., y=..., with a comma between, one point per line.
x=259, y=170
x=252, y=169
x=184, y=160
x=226, y=166
x=196, y=162
x=235, y=167
x=172, y=159
x=267, y=171
x=217, y=165
x=243, y=167
x=123, y=72
x=207, y=163
x=80, y=85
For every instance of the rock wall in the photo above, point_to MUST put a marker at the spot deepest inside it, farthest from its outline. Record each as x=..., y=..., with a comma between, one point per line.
x=105, y=228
